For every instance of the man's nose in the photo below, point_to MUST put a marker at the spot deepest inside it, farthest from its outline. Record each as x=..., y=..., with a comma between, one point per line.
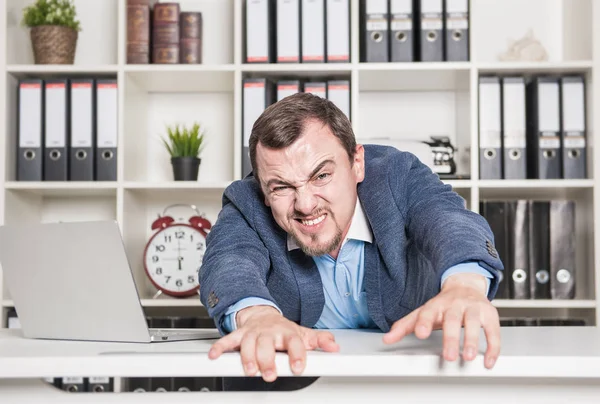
x=305, y=202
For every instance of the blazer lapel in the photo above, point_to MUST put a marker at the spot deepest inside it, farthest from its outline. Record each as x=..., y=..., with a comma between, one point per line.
x=373, y=285
x=310, y=287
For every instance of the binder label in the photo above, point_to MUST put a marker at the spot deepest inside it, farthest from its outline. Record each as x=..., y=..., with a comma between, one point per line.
x=30, y=116
x=457, y=23
x=515, y=141
x=100, y=379
x=56, y=124
x=401, y=25
x=549, y=143
x=575, y=143
x=377, y=25
x=431, y=24
x=490, y=140
x=73, y=380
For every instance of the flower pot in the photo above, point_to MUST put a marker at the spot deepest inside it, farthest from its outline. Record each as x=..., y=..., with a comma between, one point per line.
x=53, y=44
x=185, y=168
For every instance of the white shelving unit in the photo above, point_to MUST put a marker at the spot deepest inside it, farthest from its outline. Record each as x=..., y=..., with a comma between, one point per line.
x=399, y=100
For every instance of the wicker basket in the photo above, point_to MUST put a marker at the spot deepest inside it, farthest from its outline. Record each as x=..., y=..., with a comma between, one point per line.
x=53, y=44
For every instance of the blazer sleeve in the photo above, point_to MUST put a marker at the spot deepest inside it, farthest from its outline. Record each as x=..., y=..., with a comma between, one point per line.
x=235, y=265
x=444, y=230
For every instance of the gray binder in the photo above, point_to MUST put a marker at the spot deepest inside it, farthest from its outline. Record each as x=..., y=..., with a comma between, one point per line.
x=562, y=249
x=337, y=31
x=514, y=128
x=83, y=130
x=539, y=247
x=518, y=265
x=30, y=130
x=288, y=31
x=490, y=141
x=317, y=88
x=313, y=31
x=456, y=23
x=257, y=96
x=573, y=127
x=375, y=30
x=56, y=124
x=431, y=28
x=543, y=129
x=286, y=88
x=259, y=28
x=107, y=127
x=401, y=31
x=338, y=92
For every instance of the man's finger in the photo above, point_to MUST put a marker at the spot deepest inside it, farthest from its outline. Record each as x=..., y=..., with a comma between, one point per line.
x=427, y=318
x=229, y=342
x=248, y=354
x=472, y=322
x=451, y=332
x=326, y=341
x=296, y=352
x=265, y=357
x=491, y=326
x=401, y=328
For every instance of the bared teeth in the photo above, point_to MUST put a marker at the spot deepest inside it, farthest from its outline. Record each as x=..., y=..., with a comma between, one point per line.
x=314, y=221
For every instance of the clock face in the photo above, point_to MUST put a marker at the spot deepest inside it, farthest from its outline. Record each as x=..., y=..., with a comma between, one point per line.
x=173, y=257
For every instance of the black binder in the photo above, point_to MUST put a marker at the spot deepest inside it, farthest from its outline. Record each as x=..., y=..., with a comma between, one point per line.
x=562, y=249
x=543, y=128
x=258, y=94
x=56, y=127
x=490, y=128
x=514, y=128
x=83, y=130
x=518, y=263
x=375, y=30
x=30, y=129
x=456, y=28
x=539, y=246
x=496, y=214
x=107, y=129
x=573, y=127
x=430, y=26
x=402, y=35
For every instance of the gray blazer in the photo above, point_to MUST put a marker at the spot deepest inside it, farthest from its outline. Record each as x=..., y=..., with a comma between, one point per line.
x=420, y=228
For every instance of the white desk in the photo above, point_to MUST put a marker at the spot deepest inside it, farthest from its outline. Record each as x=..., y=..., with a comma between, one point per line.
x=537, y=365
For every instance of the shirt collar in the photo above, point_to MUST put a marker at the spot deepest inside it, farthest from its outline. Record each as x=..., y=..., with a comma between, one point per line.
x=359, y=229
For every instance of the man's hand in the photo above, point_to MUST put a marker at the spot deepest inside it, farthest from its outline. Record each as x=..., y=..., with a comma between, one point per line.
x=262, y=331
x=462, y=301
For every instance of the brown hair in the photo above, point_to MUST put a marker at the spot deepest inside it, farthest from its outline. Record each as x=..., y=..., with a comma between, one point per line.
x=283, y=122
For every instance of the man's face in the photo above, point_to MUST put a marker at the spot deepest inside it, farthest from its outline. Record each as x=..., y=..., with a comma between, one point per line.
x=311, y=188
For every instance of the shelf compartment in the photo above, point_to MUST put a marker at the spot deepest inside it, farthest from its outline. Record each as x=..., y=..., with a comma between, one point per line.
x=97, y=42
x=414, y=76
x=147, y=112
x=142, y=207
x=563, y=27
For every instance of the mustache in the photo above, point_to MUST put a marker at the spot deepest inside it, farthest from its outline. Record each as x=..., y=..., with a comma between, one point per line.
x=316, y=213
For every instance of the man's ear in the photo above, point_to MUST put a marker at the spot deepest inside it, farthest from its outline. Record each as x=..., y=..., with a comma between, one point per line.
x=359, y=163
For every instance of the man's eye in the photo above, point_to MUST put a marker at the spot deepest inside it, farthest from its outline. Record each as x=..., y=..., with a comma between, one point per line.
x=323, y=176
x=279, y=189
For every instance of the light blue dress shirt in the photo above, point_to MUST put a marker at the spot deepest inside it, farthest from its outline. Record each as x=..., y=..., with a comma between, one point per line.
x=342, y=278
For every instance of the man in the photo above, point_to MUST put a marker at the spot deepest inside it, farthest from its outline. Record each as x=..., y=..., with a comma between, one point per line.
x=329, y=234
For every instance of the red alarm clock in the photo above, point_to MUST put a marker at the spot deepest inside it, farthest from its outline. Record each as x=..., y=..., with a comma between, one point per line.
x=173, y=255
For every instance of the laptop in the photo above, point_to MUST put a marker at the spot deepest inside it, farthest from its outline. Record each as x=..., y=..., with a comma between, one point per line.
x=73, y=281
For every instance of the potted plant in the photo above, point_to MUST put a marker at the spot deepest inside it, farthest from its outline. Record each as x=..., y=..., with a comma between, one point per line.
x=185, y=145
x=54, y=30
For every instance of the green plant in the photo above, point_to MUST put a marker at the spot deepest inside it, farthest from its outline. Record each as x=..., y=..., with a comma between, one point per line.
x=184, y=142
x=51, y=12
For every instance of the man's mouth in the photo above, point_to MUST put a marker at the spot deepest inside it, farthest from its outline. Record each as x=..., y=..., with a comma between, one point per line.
x=312, y=222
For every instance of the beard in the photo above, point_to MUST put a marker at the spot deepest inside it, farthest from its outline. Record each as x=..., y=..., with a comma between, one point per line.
x=316, y=249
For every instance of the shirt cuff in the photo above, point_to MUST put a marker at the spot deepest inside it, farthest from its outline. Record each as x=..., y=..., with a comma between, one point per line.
x=468, y=267
x=229, y=324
